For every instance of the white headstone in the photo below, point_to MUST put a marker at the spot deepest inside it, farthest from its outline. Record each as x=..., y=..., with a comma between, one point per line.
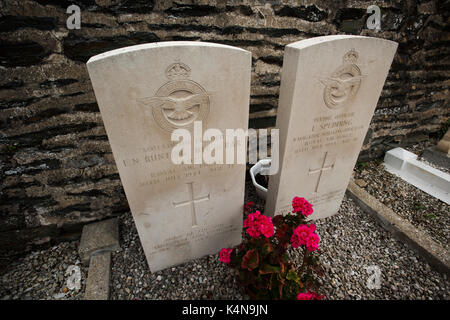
x=182, y=212
x=329, y=90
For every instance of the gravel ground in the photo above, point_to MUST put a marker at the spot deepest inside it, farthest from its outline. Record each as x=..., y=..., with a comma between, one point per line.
x=434, y=165
x=424, y=211
x=205, y=278
x=419, y=148
x=351, y=241
x=41, y=275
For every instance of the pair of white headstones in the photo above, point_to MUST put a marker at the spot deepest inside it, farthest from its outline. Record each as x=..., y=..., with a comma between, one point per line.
x=329, y=90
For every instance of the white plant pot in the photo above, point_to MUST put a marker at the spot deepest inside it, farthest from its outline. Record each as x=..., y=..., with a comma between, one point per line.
x=261, y=165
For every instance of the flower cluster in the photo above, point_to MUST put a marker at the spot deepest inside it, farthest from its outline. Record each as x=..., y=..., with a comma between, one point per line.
x=224, y=255
x=302, y=206
x=305, y=235
x=309, y=296
x=261, y=260
x=258, y=224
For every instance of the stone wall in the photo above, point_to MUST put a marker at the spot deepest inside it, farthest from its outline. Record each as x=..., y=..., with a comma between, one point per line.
x=57, y=169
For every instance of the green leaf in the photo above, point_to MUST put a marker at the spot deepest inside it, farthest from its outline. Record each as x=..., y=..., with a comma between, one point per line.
x=268, y=268
x=292, y=275
x=251, y=260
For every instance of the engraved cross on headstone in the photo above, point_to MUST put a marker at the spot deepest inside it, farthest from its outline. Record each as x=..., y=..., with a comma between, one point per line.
x=320, y=171
x=192, y=202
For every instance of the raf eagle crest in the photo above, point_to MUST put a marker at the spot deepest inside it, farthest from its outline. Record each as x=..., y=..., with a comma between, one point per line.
x=179, y=102
x=344, y=83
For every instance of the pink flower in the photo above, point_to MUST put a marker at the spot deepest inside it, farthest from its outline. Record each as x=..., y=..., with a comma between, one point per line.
x=309, y=296
x=304, y=296
x=267, y=227
x=258, y=224
x=251, y=218
x=312, y=242
x=299, y=235
x=253, y=232
x=224, y=255
x=305, y=235
x=302, y=206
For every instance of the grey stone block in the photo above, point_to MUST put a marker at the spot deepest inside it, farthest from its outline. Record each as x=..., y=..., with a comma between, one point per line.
x=97, y=284
x=98, y=237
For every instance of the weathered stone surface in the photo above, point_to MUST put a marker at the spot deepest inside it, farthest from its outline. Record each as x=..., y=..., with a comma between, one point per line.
x=182, y=211
x=329, y=90
x=98, y=237
x=11, y=23
x=21, y=54
x=97, y=284
x=413, y=103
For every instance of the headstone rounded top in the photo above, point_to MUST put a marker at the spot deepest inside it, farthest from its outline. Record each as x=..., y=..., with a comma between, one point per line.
x=324, y=39
x=163, y=44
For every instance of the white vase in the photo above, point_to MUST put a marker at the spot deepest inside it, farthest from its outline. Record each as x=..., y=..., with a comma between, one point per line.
x=259, y=168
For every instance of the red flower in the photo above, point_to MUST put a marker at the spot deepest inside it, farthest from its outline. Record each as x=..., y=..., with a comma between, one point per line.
x=305, y=235
x=309, y=296
x=302, y=206
x=224, y=255
x=258, y=224
x=312, y=242
x=304, y=296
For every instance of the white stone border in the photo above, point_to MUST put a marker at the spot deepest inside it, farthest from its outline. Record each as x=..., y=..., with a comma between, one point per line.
x=436, y=255
x=405, y=165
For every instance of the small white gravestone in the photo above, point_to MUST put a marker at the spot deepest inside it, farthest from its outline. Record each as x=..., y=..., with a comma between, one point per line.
x=144, y=92
x=405, y=165
x=329, y=90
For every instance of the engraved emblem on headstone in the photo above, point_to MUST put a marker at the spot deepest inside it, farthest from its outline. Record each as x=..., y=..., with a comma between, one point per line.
x=180, y=101
x=344, y=82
